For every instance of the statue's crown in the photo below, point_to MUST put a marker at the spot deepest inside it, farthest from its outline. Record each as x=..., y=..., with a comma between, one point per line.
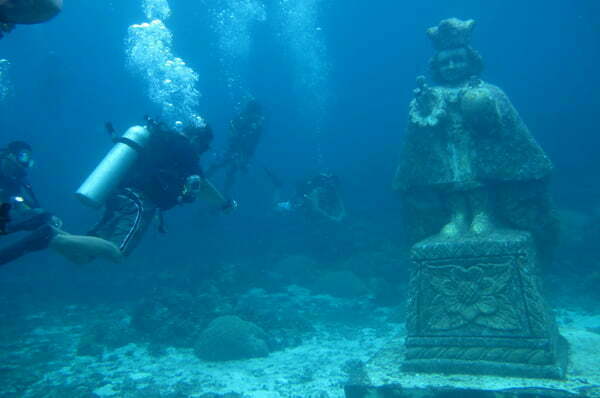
x=451, y=33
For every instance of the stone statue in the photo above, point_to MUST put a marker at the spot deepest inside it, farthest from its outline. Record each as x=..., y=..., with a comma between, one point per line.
x=474, y=185
x=467, y=145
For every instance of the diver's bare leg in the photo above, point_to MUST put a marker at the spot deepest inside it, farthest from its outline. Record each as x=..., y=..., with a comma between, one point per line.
x=82, y=249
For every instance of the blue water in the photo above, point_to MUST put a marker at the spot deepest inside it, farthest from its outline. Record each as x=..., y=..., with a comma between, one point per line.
x=335, y=96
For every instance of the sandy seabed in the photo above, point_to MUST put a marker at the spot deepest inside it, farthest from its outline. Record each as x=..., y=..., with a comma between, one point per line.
x=314, y=369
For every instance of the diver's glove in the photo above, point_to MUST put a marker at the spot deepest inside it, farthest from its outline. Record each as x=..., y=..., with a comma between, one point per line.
x=229, y=206
x=56, y=222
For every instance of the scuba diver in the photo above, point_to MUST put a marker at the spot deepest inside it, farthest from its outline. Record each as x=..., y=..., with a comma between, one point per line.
x=245, y=133
x=150, y=169
x=316, y=197
x=26, y=12
x=20, y=211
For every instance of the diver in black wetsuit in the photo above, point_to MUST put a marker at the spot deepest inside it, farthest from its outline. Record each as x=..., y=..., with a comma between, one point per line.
x=21, y=211
x=245, y=133
x=317, y=197
x=26, y=12
x=168, y=174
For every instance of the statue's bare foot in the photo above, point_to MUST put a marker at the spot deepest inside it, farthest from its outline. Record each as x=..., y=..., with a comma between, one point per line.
x=482, y=224
x=457, y=226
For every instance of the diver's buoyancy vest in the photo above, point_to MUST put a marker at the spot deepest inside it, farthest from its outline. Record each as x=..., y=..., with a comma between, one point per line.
x=163, y=169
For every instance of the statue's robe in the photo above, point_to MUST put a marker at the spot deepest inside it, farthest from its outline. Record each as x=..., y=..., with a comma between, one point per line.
x=465, y=146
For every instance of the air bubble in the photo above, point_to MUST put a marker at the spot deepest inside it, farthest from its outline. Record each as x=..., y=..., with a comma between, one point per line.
x=171, y=83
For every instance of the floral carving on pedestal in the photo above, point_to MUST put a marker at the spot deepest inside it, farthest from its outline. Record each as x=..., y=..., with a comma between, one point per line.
x=465, y=296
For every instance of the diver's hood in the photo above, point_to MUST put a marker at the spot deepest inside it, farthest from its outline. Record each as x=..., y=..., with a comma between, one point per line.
x=29, y=11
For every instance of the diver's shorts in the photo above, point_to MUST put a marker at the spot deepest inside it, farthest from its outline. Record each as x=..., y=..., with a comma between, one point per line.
x=126, y=218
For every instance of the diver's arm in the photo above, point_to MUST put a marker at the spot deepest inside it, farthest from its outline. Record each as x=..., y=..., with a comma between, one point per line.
x=198, y=186
x=211, y=194
x=4, y=197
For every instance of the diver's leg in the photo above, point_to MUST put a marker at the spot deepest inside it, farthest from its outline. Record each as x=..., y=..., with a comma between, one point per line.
x=458, y=214
x=129, y=217
x=39, y=239
x=30, y=220
x=112, y=238
x=81, y=249
x=479, y=202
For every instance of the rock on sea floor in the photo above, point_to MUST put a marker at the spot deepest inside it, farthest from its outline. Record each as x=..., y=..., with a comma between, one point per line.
x=41, y=361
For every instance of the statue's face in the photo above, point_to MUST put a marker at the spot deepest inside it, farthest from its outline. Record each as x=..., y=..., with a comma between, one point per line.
x=453, y=65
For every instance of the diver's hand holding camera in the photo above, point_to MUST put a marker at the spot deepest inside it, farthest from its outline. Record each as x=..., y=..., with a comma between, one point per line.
x=192, y=186
x=229, y=206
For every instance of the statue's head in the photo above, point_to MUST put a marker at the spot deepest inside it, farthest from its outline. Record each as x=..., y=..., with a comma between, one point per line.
x=455, y=65
x=455, y=60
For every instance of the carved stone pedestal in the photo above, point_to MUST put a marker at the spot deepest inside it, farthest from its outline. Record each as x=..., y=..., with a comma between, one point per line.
x=475, y=307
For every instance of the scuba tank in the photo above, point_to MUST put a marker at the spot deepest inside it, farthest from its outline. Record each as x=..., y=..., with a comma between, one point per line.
x=112, y=169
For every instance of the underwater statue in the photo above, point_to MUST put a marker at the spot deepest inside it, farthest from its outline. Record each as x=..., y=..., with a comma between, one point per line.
x=468, y=152
x=480, y=222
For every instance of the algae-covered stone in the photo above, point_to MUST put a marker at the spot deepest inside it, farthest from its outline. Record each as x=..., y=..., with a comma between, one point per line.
x=229, y=338
x=479, y=216
x=469, y=164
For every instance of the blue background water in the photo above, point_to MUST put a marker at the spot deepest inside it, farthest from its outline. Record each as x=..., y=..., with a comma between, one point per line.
x=69, y=77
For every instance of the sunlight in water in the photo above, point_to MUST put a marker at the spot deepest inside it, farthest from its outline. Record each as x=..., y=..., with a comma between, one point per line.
x=171, y=83
x=232, y=22
x=303, y=36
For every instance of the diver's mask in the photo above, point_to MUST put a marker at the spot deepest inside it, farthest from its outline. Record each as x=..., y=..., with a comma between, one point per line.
x=24, y=159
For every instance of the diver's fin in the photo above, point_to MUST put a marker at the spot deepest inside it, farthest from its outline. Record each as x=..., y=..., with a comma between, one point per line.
x=110, y=129
x=275, y=180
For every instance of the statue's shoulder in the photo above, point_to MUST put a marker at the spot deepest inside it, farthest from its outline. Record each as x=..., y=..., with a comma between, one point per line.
x=494, y=90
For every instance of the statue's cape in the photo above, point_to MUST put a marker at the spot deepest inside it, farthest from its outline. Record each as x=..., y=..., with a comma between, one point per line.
x=504, y=159
x=506, y=152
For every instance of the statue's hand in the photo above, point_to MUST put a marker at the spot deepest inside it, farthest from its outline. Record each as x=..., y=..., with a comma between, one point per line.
x=428, y=108
x=424, y=95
